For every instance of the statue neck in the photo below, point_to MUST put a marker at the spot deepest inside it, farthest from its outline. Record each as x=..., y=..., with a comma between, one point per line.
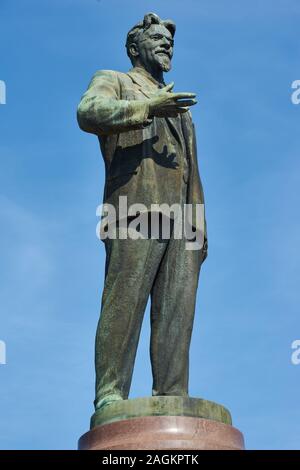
x=156, y=74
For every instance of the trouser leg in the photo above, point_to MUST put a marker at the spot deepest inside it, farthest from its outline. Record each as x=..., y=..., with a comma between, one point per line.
x=173, y=300
x=131, y=266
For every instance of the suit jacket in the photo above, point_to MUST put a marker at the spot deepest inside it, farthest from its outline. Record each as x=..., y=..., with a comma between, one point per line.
x=144, y=158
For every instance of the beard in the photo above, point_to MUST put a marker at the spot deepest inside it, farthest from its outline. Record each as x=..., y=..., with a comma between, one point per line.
x=164, y=62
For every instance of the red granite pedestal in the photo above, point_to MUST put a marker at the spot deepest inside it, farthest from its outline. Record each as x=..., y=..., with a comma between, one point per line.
x=162, y=432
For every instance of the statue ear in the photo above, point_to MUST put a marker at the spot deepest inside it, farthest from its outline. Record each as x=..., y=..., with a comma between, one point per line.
x=133, y=49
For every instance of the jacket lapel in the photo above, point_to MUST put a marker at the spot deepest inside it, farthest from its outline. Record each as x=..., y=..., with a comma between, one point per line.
x=140, y=82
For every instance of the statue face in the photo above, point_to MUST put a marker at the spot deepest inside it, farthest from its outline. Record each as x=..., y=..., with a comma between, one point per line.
x=155, y=48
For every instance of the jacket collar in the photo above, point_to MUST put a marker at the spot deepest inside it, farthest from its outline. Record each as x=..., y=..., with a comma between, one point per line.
x=146, y=83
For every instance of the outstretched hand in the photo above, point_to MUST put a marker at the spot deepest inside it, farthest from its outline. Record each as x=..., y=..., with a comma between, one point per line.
x=165, y=103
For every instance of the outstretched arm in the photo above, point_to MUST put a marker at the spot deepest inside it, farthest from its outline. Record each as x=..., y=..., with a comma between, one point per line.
x=102, y=111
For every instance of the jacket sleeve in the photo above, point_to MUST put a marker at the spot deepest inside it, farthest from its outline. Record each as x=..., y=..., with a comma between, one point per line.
x=101, y=110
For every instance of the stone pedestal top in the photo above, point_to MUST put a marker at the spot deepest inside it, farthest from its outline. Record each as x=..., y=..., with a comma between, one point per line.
x=160, y=406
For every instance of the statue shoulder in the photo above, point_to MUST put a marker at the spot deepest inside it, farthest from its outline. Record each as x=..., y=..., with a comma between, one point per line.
x=112, y=74
x=113, y=77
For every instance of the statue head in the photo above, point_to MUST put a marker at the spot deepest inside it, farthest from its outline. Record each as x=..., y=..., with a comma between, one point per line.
x=150, y=43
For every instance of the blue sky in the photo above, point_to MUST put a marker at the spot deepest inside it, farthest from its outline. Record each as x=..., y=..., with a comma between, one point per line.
x=240, y=58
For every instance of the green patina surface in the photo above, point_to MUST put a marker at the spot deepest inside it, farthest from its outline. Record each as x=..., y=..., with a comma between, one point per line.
x=148, y=142
x=161, y=406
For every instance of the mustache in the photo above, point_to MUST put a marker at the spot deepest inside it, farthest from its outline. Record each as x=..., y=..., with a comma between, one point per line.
x=164, y=51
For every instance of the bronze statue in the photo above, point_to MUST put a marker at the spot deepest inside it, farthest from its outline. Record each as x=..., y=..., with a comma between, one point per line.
x=148, y=143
